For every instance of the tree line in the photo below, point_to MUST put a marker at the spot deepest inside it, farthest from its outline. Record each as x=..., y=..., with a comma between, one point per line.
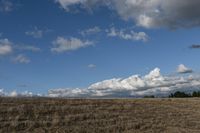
x=179, y=94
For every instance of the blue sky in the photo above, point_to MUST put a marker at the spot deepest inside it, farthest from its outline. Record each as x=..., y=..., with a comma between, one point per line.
x=53, y=44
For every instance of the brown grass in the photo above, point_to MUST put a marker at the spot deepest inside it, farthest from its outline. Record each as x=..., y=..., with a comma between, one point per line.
x=40, y=115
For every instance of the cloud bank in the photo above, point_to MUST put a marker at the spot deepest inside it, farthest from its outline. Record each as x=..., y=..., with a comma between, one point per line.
x=153, y=83
x=146, y=13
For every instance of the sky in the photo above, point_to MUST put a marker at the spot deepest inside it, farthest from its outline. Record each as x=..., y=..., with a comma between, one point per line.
x=99, y=48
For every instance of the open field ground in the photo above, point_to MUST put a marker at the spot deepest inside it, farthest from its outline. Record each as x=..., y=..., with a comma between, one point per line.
x=99, y=116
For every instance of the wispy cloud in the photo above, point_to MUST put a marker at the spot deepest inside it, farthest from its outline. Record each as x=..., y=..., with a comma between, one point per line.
x=22, y=59
x=62, y=44
x=6, y=6
x=127, y=34
x=23, y=47
x=8, y=48
x=36, y=32
x=92, y=66
x=91, y=31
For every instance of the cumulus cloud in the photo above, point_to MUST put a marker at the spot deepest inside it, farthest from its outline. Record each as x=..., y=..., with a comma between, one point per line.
x=22, y=59
x=147, y=13
x=153, y=83
x=62, y=44
x=6, y=6
x=127, y=35
x=90, y=31
x=183, y=69
x=5, y=47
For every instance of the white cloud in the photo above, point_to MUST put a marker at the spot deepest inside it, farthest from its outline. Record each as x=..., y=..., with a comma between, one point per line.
x=22, y=59
x=147, y=13
x=127, y=35
x=62, y=44
x=90, y=31
x=67, y=92
x=92, y=66
x=1, y=92
x=5, y=47
x=27, y=94
x=18, y=94
x=183, y=69
x=6, y=6
x=153, y=83
x=35, y=33
x=13, y=94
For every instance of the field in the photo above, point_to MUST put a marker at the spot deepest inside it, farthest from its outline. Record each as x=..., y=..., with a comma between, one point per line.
x=41, y=115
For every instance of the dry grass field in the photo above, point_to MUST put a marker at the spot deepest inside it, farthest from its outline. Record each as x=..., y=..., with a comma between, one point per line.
x=31, y=115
